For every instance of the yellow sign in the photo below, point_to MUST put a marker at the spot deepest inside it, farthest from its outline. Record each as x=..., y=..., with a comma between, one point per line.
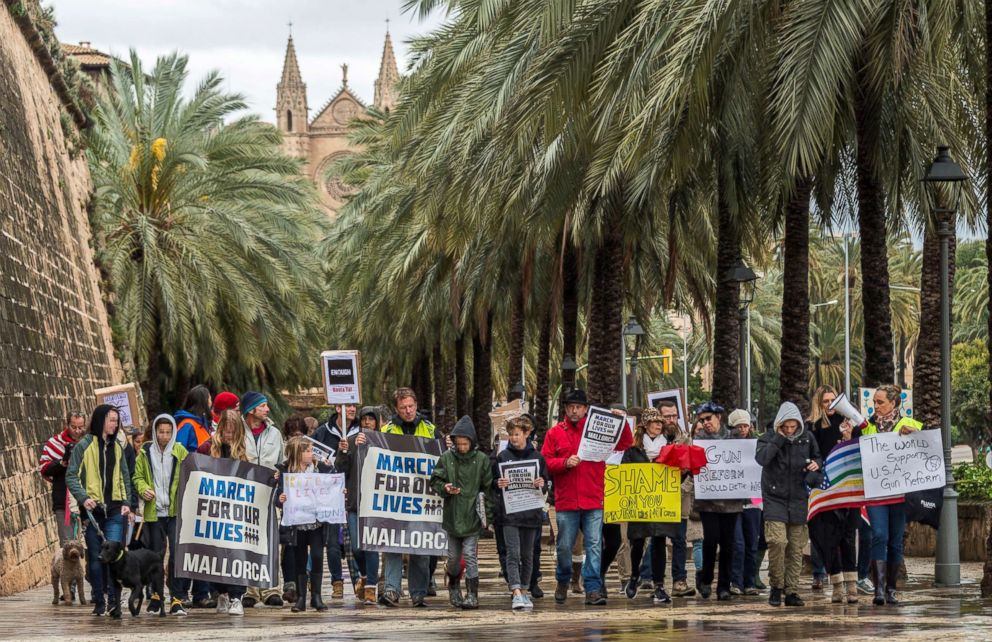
x=642, y=493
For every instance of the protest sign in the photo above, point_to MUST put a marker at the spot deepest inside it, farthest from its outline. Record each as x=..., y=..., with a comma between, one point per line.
x=227, y=532
x=398, y=511
x=321, y=453
x=521, y=495
x=125, y=399
x=895, y=464
x=675, y=396
x=731, y=471
x=642, y=493
x=342, y=372
x=313, y=497
x=600, y=434
x=499, y=417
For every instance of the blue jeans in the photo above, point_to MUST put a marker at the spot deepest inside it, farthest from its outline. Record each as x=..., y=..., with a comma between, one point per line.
x=332, y=542
x=113, y=530
x=644, y=572
x=697, y=554
x=368, y=561
x=418, y=573
x=864, y=548
x=590, y=522
x=745, y=565
x=888, y=524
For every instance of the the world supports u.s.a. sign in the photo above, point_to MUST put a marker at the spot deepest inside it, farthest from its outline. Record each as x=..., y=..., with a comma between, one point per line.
x=227, y=531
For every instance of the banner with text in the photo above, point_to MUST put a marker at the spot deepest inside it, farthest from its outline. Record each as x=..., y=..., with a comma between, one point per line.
x=521, y=495
x=731, y=471
x=227, y=532
x=398, y=511
x=895, y=464
x=642, y=493
x=600, y=434
x=313, y=497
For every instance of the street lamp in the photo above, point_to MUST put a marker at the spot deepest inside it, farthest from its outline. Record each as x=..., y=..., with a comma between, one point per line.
x=745, y=278
x=516, y=391
x=632, y=329
x=568, y=369
x=947, y=571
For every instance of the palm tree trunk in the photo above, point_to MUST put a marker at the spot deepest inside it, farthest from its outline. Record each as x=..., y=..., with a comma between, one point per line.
x=987, y=570
x=606, y=320
x=878, y=365
x=569, y=307
x=461, y=378
x=151, y=383
x=542, y=391
x=726, y=327
x=450, y=394
x=420, y=378
x=517, y=328
x=482, y=384
x=438, y=384
x=794, y=373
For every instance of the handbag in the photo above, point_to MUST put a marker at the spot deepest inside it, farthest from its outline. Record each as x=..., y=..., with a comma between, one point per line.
x=924, y=506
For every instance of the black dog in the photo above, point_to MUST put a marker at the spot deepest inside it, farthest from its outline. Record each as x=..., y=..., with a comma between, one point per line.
x=133, y=569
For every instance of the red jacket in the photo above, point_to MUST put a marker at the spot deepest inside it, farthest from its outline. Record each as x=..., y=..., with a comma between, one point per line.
x=579, y=488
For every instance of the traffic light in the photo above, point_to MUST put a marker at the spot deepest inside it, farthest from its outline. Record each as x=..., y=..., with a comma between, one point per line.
x=666, y=361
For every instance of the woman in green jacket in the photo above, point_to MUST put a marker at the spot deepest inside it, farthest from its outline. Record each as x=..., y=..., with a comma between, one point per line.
x=156, y=479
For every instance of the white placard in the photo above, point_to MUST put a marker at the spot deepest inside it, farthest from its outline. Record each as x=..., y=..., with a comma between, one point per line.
x=895, y=464
x=732, y=472
x=600, y=434
x=675, y=396
x=521, y=495
x=313, y=497
x=868, y=402
x=120, y=401
x=342, y=373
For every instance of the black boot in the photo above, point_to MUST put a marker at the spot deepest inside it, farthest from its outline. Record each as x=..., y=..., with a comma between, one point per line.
x=878, y=577
x=301, y=594
x=630, y=589
x=316, y=599
x=891, y=577
x=471, y=593
x=455, y=591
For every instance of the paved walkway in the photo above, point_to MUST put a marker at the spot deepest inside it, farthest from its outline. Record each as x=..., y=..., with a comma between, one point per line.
x=927, y=613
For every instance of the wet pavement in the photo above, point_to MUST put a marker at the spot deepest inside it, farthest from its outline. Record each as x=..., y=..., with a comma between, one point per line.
x=926, y=613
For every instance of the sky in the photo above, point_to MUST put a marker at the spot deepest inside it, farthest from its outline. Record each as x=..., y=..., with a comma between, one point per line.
x=246, y=39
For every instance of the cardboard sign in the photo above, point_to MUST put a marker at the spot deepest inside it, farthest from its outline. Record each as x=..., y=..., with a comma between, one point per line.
x=313, y=497
x=600, y=434
x=125, y=399
x=521, y=495
x=675, y=396
x=642, y=493
x=342, y=373
x=499, y=417
x=894, y=464
x=731, y=471
x=868, y=402
x=227, y=531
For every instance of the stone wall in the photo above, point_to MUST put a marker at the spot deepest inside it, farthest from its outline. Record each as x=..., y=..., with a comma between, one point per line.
x=55, y=346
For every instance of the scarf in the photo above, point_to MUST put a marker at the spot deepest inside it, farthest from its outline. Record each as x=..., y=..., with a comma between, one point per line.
x=888, y=422
x=653, y=445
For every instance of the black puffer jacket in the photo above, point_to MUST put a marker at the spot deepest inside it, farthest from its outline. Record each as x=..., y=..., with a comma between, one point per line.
x=642, y=530
x=784, y=476
x=526, y=519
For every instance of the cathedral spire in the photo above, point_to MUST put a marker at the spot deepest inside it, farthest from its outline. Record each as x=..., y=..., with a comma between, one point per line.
x=291, y=68
x=389, y=76
x=291, y=94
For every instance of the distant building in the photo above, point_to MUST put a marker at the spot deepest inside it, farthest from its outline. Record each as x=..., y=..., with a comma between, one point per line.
x=324, y=139
x=93, y=63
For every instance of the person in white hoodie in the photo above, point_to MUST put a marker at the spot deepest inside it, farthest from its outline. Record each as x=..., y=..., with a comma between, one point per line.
x=156, y=481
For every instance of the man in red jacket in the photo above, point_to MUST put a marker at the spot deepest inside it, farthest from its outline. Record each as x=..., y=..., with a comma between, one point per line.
x=578, y=487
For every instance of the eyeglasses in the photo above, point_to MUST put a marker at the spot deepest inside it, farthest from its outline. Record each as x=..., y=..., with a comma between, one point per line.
x=706, y=418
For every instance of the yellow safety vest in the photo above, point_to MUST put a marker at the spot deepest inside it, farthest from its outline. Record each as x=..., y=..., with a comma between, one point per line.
x=424, y=429
x=905, y=422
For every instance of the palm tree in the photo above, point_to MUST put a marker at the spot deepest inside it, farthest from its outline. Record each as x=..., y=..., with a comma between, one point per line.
x=206, y=231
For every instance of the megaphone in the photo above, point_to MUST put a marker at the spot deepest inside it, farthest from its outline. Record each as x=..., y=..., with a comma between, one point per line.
x=846, y=409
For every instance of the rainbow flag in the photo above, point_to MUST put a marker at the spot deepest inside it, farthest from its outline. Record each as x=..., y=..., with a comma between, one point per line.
x=843, y=485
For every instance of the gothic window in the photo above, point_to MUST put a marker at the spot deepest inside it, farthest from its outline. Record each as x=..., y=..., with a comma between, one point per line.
x=289, y=120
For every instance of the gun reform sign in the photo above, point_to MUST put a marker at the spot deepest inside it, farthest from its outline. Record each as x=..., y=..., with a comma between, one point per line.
x=342, y=372
x=227, y=532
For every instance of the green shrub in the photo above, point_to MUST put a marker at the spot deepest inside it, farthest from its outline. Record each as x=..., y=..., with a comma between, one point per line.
x=974, y=481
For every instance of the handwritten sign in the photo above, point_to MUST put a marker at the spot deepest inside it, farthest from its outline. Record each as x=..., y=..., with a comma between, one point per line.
x=642, y=493
x=521, y=495
x=313, y=497
x=125, y=399
x=895, y=464
x=731, y=471
x=600, y=434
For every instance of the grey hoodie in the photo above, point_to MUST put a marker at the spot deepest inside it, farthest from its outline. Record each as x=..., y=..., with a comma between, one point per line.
x=161, y=462
x=787, y=411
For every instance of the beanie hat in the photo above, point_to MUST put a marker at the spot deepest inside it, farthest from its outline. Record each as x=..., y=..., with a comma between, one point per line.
x=251, y=400
x=225, y=401
x=649, y=415
x=739, y=417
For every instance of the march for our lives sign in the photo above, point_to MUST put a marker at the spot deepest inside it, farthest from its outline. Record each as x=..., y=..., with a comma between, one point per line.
x=227, y=530
x=398, y=511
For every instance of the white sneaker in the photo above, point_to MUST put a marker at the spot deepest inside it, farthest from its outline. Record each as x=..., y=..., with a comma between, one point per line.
x=223, y=604
x=236, y=607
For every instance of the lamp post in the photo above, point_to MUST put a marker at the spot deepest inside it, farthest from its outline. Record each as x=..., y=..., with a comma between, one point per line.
x=568, y=369
x=632, y=329
x=745, y=278
x=947, y=570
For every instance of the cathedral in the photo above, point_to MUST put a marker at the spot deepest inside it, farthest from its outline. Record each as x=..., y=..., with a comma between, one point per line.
x=323, y=139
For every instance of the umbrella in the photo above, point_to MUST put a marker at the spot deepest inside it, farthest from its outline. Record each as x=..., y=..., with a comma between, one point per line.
x=683, y=456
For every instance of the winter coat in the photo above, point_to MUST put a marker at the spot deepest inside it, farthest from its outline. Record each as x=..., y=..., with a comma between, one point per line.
x=829, y=436
x=581, y=487
x=716, y=505
x=526, y=519
x=53, y=464
x=471, y=473
x=641, y=530
x=267, y=449
x=419, y=427
x=157, y=469
x=346, y=461
x=784, y=478
x=330, y=435
x=191, y=430
x=98, y=468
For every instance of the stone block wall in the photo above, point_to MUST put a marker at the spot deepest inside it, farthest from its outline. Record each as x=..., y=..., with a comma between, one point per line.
x=55, y=345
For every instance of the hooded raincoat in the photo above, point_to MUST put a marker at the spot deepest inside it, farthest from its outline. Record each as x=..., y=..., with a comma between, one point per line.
x=784, y=478
x=472, y=473
x=98, y=469
x=157, y=469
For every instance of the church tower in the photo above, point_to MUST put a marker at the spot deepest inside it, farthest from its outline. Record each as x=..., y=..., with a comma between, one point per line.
x=291, y=105
x=389, y=77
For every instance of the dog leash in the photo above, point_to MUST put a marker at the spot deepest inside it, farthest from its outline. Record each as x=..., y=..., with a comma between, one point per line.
x=96, y=526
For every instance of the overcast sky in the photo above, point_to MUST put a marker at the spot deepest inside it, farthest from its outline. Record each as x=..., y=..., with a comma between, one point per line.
x=246, y=39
